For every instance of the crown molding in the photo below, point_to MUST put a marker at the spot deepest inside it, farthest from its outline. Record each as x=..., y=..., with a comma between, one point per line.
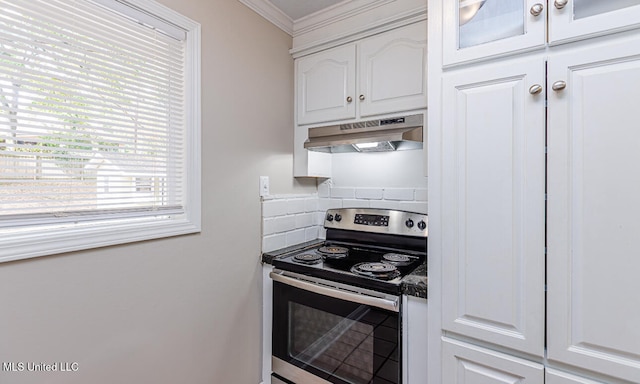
x=362, y=31
x=270, y=12
x=334, y=14
x=324, y=18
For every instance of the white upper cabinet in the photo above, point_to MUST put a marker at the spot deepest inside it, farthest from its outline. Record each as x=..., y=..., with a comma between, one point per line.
x=493, y=202
x=392, y=71
x=390, y=77
x=325, y=85
x=475, y=29
x=593, y=317
x=576, y=19
x=478, y=29
x=382, y=75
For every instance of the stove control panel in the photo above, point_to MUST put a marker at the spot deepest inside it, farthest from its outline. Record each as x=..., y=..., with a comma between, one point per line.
x=375, y=220
x=378, y=221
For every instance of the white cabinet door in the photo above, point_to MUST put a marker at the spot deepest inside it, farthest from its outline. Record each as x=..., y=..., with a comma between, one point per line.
x=553, y=376
x=493, y=204
x=475, y=29
x=467, y=364
x=577, y=19
x=326, y=84
x=414, y=340
x=593, y=260
x=393, y=71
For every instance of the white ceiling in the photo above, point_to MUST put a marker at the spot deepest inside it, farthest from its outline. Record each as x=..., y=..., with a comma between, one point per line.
x=297, y=9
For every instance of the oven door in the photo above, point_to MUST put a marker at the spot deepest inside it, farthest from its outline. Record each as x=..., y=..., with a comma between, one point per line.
x=331, y=334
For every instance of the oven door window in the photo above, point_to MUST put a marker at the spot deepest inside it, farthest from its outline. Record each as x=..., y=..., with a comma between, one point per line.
x=337, y=340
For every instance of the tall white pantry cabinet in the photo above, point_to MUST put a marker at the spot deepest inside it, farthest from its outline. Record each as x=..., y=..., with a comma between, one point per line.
x=534, y=197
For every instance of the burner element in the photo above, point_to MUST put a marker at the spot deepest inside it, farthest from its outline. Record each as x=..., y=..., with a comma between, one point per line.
x=376, y=267
x=308, y=258
x=334, y=252
x=397, y=259
x=376, y=270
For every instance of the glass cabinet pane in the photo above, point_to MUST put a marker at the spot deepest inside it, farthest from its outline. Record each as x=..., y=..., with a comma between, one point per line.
x=483, y=21
x=588, y=8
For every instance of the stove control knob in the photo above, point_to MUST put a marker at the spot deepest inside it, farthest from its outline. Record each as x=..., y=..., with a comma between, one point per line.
x=338, y=217
x=409, y=223
x=422, y=225
x=329, y=217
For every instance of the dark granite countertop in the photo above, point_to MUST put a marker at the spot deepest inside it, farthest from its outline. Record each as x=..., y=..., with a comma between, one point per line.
x=414, y=284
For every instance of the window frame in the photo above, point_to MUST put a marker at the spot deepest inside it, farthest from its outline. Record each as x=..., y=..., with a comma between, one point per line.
x=42, y=240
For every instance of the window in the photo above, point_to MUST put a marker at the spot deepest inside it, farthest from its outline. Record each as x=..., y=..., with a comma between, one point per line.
x=99, y=124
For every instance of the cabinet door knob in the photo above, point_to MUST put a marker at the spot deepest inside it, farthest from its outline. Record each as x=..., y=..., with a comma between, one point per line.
x=349, y=99
x=535, y=89
x=536, y=9
x=560, y=3
x=559, y=86
x=361, y=97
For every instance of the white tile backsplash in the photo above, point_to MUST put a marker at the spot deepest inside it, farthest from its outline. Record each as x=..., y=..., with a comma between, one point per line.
x=385, y=204
x=354, y=203
x=293, y=219
x=271, y=208
x=369, y=193
x=273, y=242
x=290, y=220
x=305, y=220
x=421, y=194
x=324, y=204
x=284, y=223
x=320, y=218
x=311, y=204
x=295, y=206
x=405, y=194
x=413, y=206
x=311, y=233
x=268, y=226
x=296, y=237
x=324, y=189
x=343, y=193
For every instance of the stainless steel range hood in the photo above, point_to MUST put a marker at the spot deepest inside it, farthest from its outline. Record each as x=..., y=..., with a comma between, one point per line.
x=399, y=133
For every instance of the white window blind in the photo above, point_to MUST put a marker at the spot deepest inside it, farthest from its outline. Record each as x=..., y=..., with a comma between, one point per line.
x=92, y=115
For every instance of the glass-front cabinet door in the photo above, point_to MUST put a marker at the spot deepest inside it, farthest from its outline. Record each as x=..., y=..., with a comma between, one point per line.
x=475, y=29
x=576, y=19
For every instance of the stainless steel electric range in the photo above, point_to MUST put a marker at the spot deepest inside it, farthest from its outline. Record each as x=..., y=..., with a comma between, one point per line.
x=336, y=307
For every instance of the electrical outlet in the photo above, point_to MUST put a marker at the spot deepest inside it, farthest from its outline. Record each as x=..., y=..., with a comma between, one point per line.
x=264, y=185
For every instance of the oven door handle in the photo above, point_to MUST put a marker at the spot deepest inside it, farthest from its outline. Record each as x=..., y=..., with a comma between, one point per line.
x=390, y=303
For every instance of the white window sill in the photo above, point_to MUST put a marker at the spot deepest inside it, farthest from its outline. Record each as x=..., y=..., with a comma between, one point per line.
x=17, y=244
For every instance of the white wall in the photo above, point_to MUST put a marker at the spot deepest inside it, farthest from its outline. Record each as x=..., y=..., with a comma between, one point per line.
x=386, y=180
x=185, y=309
x=401, y=169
